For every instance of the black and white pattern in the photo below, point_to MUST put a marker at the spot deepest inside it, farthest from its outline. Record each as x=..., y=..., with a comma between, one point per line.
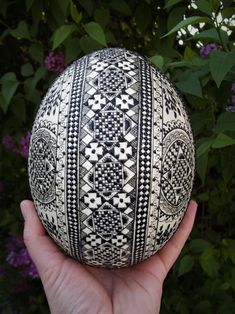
x=111, y=162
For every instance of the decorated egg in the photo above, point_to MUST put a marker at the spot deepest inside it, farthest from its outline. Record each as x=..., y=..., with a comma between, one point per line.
x=111, y=161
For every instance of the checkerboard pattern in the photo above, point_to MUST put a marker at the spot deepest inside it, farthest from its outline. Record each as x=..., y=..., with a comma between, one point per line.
x=111, y=80
x=107, y=221
x=109, y=126
x=108, y=176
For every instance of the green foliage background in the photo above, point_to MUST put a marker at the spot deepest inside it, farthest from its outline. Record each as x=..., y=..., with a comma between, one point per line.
x=203, y=278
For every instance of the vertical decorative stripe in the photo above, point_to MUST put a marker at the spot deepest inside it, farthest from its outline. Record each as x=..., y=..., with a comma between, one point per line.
x=144, y=177
x=156, y=163
x=73, y=158
x=61, y=158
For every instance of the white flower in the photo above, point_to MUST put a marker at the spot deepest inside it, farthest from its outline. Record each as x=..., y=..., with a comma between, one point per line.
x=121, y=200
x=92, y=200
x=94, y=151
x=124, y=101
x=123, y=150
x=96, y=102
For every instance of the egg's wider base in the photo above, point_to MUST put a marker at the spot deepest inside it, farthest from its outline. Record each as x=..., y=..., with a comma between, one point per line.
x=111, y=161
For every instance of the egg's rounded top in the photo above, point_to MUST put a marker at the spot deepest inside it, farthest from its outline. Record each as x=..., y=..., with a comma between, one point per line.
x=111, y=161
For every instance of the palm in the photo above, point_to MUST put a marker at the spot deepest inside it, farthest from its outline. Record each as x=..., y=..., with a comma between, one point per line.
x=75, y=288
x=124, y=287
x=106, y=289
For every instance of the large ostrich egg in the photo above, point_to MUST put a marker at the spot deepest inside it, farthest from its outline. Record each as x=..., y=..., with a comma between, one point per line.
x=111, y=162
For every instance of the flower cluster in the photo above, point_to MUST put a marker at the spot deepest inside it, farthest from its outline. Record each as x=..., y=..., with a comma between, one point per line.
x=55, y=62
x=18, y=257
x=231, y=107
x=22, y=149
x=209, y=48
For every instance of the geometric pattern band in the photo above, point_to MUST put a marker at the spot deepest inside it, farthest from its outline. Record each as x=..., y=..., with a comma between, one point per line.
x=73, y=159
x=144, y=160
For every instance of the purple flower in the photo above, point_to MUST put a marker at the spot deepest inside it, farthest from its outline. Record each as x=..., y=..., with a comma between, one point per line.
x=18, y=257
x=233, y=100
x=207, y=49
x=22, y=149
x=14, y=259
x=30, y=271
x=230, y=108
x=8, y=142
x=55, y=62
x=233, y=87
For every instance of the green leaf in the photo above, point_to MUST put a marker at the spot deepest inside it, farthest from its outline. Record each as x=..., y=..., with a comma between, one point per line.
x=220, y=64
x=191, y=85
x=8, y=90
x=228, y=171
x=9, y=86
x=180, y=64
x=228, y=12
x=61, y=34
x=201, y=166
x=170, y=3
x=209, y=262
x=39, y=74
x=176, y=15
x=121, y=6
x=3, y=104
x=27, y=69
x=188, y=21
x=189, y=54
x=204, y=6
x=9, y=76
x=215, y=4
x=18, y=108
x=223, y=140
x=225, y=122
x=64, y=6
x=21, y=31
x=204, y=146
x=102, y=16
x=89, y=45
x=212, y=35
x=198, y=121
x=185, y=265
x=77, y=17
x=36, y=52
x=158, y=61
x=72, y=49
x=231, y=249
x=199, y=245
x=95, y=31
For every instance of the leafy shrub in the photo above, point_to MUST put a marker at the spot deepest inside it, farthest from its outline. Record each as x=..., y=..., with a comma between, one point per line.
x=192, y=42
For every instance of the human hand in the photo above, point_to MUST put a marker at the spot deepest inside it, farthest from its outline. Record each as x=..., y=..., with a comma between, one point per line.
x=72, y=287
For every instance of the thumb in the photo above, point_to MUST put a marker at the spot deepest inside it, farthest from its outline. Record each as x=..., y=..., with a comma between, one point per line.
x=43, y=251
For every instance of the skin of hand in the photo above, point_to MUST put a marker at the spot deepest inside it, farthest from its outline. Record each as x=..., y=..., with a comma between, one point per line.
x=72, y=287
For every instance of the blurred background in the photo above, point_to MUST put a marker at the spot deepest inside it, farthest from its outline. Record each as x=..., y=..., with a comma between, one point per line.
x=192, y=42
